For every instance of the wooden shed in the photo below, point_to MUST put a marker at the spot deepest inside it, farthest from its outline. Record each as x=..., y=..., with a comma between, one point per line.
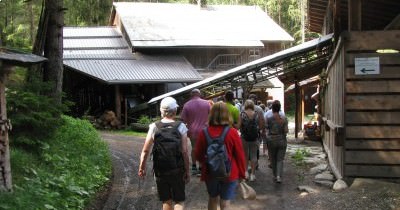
x=360, y=88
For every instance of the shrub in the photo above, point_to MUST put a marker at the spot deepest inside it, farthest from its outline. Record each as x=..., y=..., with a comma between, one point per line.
x=71, y=167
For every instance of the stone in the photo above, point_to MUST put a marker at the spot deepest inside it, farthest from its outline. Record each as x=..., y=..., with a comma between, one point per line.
x=325, y=176
x=318, y=169
x=304, y=188
x=339, y=185
x=324, y=183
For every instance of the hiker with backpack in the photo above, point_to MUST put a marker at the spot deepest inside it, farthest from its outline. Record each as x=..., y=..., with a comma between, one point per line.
x=170, y=156
x=195, y=114
x=277, y=126
x=220, y=152
x=250, y=123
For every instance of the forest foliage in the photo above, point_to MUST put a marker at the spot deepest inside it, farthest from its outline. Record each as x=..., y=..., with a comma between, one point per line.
x=19, y=18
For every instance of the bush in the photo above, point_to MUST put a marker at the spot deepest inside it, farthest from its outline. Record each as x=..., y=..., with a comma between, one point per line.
x=71, y=167
x=35, y=117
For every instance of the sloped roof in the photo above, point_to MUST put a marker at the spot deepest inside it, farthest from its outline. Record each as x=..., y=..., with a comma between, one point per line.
x=19, y=58
x=102, y=53
x=180, y=25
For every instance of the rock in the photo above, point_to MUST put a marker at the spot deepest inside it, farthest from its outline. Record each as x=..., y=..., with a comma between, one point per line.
x=339, y=185
x=325, y=176
x=308, y=189
x=324, y=183
x=318, y=169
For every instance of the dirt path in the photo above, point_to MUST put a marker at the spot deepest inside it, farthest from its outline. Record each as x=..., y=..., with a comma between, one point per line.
x=129, y=192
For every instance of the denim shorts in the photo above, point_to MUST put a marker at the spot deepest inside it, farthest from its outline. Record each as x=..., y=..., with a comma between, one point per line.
x=225, y=189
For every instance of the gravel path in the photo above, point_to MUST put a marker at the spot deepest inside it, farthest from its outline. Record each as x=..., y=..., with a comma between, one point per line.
x=130, y=193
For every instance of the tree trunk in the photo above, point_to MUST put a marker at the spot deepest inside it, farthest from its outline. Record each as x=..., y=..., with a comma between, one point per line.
x=53, y=47
x=5, y=167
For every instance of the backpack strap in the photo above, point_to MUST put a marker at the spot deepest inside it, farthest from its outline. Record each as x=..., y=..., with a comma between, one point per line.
x=220, y=138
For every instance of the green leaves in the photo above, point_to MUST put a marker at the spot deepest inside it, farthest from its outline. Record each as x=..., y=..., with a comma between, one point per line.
x=71, y=166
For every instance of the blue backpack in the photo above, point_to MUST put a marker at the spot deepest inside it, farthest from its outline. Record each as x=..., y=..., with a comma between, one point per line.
x=218, y=163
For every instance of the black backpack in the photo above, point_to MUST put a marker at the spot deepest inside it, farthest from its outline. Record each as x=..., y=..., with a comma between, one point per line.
x=218, y=162
x=249, y=127
x=167, y=149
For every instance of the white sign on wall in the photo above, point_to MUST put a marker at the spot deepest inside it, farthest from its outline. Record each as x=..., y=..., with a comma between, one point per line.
x=364, y=66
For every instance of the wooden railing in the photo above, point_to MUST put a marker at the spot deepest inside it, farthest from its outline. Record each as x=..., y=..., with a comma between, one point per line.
x=225, y=61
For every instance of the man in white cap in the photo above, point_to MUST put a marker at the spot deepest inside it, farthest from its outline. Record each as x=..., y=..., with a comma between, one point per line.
x=195, y=115
x=170, y=156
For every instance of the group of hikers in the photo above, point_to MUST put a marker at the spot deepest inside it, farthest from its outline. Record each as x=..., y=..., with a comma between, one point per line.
x=225, y=138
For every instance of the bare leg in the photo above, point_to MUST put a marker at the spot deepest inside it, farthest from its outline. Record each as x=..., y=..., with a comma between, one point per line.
x=213, y=203
x=225, y=204
x=179, y=206
x=167, y=205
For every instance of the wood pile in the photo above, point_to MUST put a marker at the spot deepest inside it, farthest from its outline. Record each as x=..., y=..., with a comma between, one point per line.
x=108, y=120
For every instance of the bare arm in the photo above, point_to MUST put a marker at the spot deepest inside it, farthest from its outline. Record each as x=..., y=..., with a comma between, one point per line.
x=145, y=154
x=185, y=153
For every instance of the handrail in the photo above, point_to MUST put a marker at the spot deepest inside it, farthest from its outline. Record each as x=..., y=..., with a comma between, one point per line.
x=335, y=54
x=331, y=124
x=219, y=56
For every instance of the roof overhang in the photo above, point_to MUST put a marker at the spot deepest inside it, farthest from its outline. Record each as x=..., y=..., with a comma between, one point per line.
x=290, y=64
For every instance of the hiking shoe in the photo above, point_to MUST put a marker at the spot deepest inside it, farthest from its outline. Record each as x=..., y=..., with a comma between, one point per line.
x=252, y=177
x=195, y=171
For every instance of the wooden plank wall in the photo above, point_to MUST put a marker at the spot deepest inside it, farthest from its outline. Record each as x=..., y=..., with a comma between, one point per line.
x=332, y=94
x=372, y=107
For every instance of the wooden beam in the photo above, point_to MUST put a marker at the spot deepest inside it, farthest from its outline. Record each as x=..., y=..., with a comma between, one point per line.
x=354, y=14
x=395, y=24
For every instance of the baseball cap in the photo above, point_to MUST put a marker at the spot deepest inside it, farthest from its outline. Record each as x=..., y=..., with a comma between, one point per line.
x=168, y=103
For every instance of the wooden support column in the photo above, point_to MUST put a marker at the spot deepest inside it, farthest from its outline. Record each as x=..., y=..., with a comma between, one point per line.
x=118, y=102
x=354, y=14
x=5, y=166
x=296, y=115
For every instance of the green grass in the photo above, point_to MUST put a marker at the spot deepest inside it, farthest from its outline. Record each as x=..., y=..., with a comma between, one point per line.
x=65, y=175
x=129, y=133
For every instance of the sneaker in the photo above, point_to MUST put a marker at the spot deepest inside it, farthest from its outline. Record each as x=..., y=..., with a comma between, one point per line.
x=195, y=171
x=278, y=179
x=199, y=172
x=252, y=177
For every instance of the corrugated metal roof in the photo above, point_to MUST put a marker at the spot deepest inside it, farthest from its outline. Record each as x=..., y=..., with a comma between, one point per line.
x=103, y=54
x=173, y=24
x=135, y=71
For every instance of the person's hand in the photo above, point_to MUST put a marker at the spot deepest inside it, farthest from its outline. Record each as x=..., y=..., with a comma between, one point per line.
x=142, y=173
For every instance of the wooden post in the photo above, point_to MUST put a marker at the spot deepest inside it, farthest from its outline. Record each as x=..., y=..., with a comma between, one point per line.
x=354, y=13
x=118, y=102
x=296, y=114
x=5, y=166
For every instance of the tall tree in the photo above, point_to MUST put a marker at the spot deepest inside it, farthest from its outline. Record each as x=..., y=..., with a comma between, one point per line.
x=53, y=46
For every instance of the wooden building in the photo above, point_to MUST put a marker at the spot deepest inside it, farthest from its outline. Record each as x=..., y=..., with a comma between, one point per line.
x=360, y=87
x=153, y=48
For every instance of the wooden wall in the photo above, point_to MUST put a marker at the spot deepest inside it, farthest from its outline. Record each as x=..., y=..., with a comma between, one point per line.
x=332, y=98
x=361, y=111
x=372, y=107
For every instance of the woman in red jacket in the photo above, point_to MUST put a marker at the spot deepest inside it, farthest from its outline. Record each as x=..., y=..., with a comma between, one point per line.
x=222, y=191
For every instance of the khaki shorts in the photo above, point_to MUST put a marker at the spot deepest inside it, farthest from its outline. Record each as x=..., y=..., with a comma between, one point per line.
x=250, y=149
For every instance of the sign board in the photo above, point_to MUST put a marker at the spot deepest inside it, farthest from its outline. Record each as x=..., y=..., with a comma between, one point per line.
x=364, y=66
